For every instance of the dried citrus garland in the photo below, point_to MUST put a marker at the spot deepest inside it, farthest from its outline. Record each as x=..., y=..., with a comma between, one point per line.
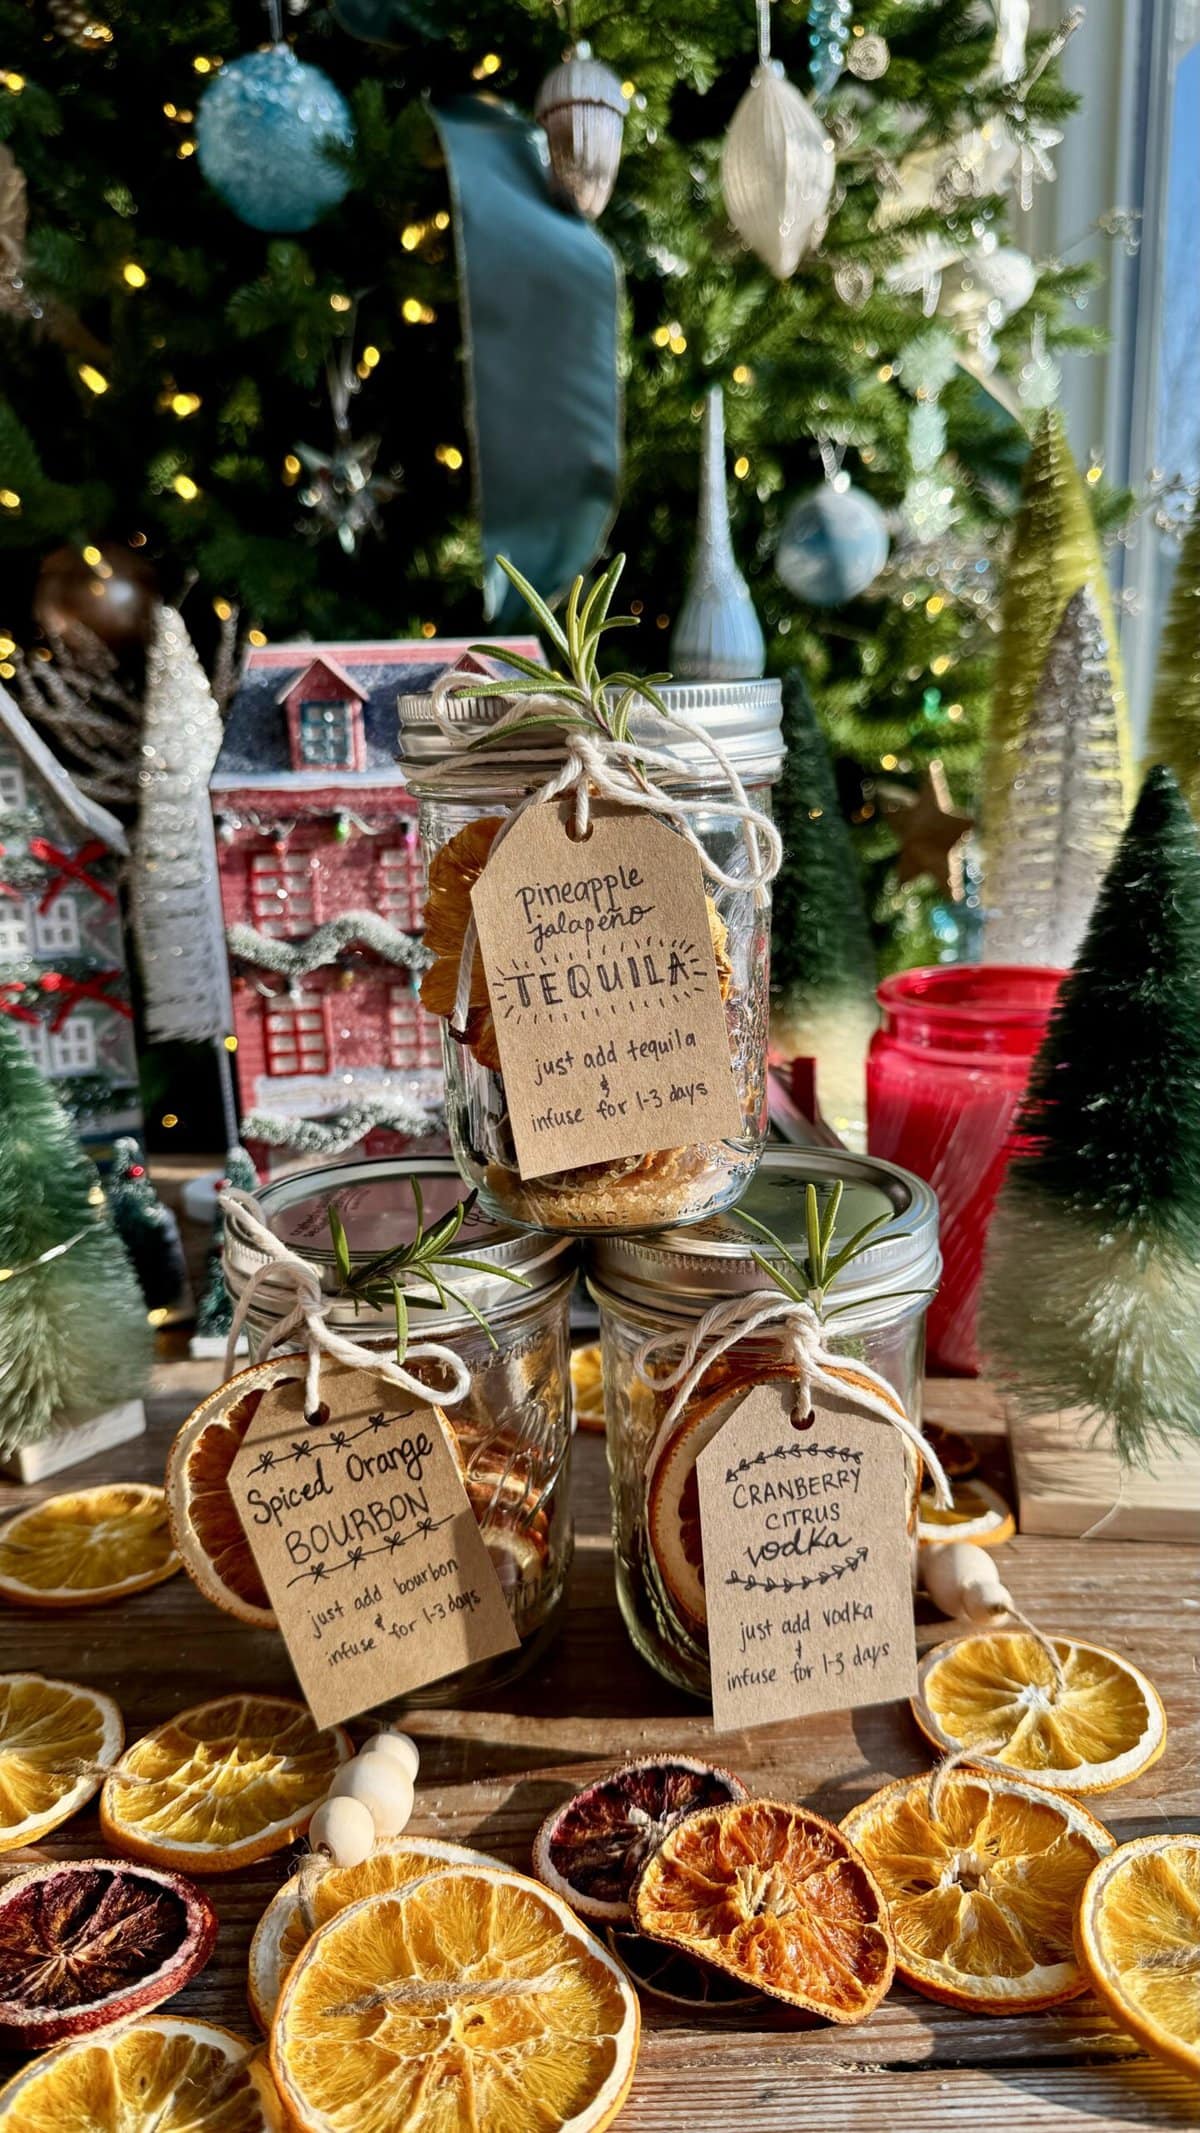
x=453, y=873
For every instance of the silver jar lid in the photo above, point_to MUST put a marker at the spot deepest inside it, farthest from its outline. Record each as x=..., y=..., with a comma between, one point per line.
x=375, y=1201
x=683, y=1271
x=745, y=718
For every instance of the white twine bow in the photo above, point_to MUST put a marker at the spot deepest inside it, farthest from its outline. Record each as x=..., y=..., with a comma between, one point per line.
x=801, y=1337
x=599, y=766
x=310, y=1311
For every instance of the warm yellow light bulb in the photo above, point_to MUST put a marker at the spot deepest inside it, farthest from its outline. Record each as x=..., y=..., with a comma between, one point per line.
x=661, y=336
x=934, y=604
x=340, y=302
x=230, y=1044
x=888, y=762
x=169, y=1119
x=410, y=311
x=7, y=644
x=91, y=555
x=185, y=149
x=185, y=487
x=441, y=220
x=370, y=356
x=9, y=499
x=742, y=374
x=94, y=379
x=741, y=467
x=134, y=277
x=222, y=610
x=14, y=83
x=291, y=467
x=201, y=64
x=940, y=665
x=411, y=235
x=429, y=629
x=451, y=457
x=184, y=403
x=257, y=636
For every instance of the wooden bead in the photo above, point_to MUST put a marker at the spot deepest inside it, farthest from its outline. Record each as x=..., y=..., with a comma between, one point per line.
x=399, y=1747
x=345, y=1829
x=382, y=1787
x=963, y=1581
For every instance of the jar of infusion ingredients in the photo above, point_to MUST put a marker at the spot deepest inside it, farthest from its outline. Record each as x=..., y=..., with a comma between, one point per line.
x=513, y=1428
x=671, y=1175
x=663, y=1286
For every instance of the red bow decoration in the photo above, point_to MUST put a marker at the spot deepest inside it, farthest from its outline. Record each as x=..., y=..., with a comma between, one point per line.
x=71, y=991
x=71, y=867
x=12, y=1006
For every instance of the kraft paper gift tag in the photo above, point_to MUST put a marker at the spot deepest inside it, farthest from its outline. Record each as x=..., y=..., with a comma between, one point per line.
x=806, y=1561
x=604, y=990
x=370, y=1552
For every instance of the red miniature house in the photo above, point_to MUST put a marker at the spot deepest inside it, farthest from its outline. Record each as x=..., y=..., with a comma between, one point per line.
x=323, y=891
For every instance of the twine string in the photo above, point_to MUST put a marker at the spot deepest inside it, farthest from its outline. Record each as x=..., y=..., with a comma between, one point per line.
x=598, y=766
x=436, y=1991
x=801, y=1338
x=938, y=1777
x=309, y=1313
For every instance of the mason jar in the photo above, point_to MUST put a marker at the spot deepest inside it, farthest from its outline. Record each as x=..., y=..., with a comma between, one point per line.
x=664, y=1284
x=513, y=1430
x=458, y=821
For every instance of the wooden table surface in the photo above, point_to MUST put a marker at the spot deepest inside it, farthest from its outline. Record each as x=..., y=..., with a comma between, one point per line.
x=490, y=1772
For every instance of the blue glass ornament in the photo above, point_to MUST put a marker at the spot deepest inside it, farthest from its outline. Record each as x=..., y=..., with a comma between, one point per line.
x=834, y=543
x=261, y=132
x=828, y=36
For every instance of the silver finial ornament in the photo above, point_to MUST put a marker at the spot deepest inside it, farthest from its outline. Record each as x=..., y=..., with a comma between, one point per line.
x=582, y=108
x=717, y=636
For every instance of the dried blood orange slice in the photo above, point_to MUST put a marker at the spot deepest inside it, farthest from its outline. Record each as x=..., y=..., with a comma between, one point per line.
x=777, y=1897
x=997, y=1693
x=955, y=1453
x=87, y=1546
x=221, y=1785
x=160, y=2074
x=204, y=1523
x=302, y=1905
x=53, y=1735
x=93, y=1942
x=982, y=1875
x=592, y=1848
x=668, y=1974
x=978, y=1513
x=1138, y=1934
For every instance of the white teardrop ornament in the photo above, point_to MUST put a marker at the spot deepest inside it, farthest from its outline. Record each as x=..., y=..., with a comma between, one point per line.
x=777, y=169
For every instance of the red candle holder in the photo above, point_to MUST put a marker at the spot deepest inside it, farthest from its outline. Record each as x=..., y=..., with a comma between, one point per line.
x=946, y=1071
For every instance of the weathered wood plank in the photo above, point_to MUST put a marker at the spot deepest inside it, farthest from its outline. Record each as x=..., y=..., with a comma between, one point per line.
x=803, y=2100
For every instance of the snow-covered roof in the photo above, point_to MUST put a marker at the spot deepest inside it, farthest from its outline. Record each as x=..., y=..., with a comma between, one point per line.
x=88, y=813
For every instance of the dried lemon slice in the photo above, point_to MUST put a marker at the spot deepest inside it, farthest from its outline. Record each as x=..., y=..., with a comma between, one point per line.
x=48, y=1730
x=87, y=1546
x=222, y=1784
x=1138, y=1935
x=474, y=1998
x=161, y=2074
x=295, y=1913
x=777, y=1897
x=1100, y=1725
x=982, y=1876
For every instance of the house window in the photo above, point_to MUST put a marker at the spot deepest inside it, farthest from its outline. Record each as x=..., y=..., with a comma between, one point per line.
x=14, y=929
x=283, y=893
x=326, y=735
x=402, y=885
x=12, y=786
x=414, y=1038
x=295, y=1038
x=73, y=1047
x=56, y=931
x=35, y=1038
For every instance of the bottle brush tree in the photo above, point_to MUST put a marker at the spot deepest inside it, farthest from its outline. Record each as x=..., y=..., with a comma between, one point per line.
x=214, y=1312
x=146, y=1228
x=1174, y=736
x=74, y=1338
x=1091, y=1293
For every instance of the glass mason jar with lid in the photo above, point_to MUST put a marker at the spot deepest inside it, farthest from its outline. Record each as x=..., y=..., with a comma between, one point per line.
x=665, y=1283
x=459, y=820
x=513, y=1430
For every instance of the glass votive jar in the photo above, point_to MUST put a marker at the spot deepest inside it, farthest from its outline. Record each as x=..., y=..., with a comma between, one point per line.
x=665, y=1283
x=458, y=823
x=513, y=1430
x=946, y=1071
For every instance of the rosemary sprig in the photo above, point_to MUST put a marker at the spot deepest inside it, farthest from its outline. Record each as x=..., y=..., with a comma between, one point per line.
x=391, y=1277
x=809, y=1280
x=584, y=693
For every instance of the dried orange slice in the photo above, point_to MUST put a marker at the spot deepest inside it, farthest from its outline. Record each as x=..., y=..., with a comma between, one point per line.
x=587, y=1387
x=92, y=1942
x=668, y=1974
x=955, y=1453
x=160, y=2074
x=87, y=1546
x=978, y=1513
x=592, y=1848
x=1101, y=1726
x=204, y=1522
x=48, y=1730
x=982, y=1876
x=777, y=1897
x=1138, y=1935
x=295, y=1913
x=222, y=1784
x=470, y=1999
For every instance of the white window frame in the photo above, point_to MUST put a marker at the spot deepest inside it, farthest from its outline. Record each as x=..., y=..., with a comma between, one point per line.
x=295, y=1037
x=36, y=1039
x=336, y=715
x=73, y=1047
x=284, y=916
x=402, y=884
x=56, y=930
x=12, y=787
x=14, y=929
x=414, y=1037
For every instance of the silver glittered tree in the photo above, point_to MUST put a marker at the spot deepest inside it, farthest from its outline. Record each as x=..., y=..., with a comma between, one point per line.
x=1068, y=801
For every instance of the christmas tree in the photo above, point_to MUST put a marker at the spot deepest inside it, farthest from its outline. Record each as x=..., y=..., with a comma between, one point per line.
x=173, y=393
x=1174, y=735
x=822, y=962
x=214, y=1312
x=1055, y=550
x=74, y=1339
x=1092, y=1278
x=147, y=1229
